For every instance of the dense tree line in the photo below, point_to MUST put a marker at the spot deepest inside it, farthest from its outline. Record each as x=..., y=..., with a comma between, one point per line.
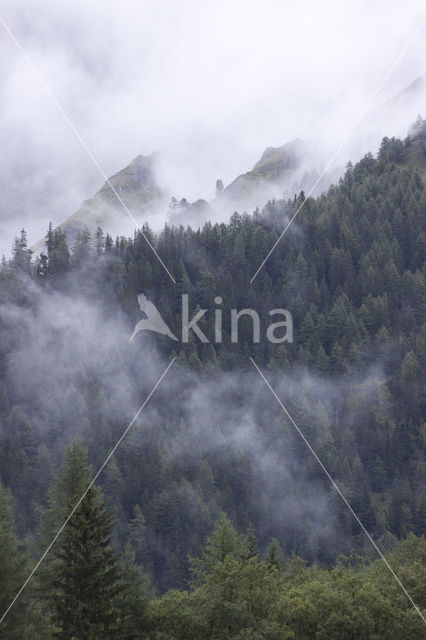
x=86, y=590
x=352, y=273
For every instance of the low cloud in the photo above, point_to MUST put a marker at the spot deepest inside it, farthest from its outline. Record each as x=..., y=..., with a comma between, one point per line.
x=214, y=83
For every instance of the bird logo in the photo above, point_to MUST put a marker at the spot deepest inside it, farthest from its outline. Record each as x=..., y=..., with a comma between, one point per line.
x=153, y=320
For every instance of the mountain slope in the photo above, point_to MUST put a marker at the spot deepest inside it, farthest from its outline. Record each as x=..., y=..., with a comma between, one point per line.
x=351, y=271
x=275, y=166
x=137, y=187
x=280, y=172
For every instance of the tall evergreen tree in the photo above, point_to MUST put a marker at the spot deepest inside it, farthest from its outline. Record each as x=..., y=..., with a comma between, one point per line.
x=21, y=254
x=86, y=576
x=80, y=579
x=22, y=620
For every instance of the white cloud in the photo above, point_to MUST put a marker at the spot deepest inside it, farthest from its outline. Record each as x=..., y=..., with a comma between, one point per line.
x=215, y=81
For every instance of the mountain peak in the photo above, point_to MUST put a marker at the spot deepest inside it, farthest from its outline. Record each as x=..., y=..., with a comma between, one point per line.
x=274, y=169
x=136, y=181
x=137, y=188
x=274, y=154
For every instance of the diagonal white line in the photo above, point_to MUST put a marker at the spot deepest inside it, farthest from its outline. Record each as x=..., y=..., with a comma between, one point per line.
x=342, y=144
x=111, y=453
x=81, y=141
x=338, y=490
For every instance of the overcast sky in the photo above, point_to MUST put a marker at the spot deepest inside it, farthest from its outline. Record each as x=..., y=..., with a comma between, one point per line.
x=214, y=81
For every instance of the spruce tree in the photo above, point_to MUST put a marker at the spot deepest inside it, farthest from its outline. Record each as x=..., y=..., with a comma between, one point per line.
x=86, y=576
x=133, y=597
x=80, y=578
x=22, y=620
x=21, y=253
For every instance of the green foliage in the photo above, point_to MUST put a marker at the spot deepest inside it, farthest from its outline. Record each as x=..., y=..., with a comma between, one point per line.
x=240, y=597
x=352, y=273
x=23, y=620
x=86, y=577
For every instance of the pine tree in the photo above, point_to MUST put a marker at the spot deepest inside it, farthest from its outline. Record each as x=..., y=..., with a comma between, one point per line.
x=137, y=536
x=86, y=575
x=99, y=241
x=21, y=259
x=82, y=249
x=223, y=543
x=65, y=489
x=133, y=598
x=60, y=258
x=79, y=578
x=21, y=620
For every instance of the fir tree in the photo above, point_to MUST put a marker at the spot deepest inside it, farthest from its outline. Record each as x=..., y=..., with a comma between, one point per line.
x=86, y=575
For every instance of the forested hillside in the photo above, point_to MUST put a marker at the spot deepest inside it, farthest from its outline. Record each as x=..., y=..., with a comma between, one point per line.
x=213, y=452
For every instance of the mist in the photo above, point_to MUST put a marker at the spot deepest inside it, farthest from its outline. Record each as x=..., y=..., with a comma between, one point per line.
x=72, y=372
x=212, y=84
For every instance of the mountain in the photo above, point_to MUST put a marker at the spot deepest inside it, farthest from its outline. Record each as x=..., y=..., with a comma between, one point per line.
x=352, y=276
x=275, y=165
x=137, y=187
x=275, y=171
x=280, y=172
x=410, y=96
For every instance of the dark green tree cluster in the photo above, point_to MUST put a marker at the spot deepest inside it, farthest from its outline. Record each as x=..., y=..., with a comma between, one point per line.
x=238, y=594
x=352, y=272
x=84, y=590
